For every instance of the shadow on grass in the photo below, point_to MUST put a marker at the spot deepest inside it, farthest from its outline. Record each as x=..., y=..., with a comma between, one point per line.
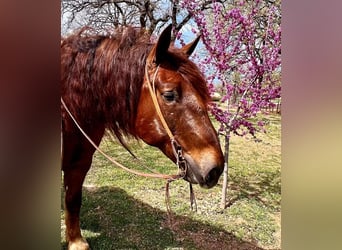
x=267, y=182
x=111, y=219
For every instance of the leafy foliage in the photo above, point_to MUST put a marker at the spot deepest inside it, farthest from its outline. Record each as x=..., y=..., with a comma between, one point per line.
x=243, y=41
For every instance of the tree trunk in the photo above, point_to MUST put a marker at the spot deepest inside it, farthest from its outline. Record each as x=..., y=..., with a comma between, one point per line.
x=225, y=171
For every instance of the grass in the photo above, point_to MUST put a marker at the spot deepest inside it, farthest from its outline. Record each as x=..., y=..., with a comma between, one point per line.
x=122, y=211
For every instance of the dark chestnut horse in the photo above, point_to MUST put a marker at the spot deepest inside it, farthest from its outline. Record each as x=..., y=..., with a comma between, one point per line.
x=104, y=85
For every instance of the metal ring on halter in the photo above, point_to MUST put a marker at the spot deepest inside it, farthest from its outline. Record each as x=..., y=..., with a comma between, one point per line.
x=180, y=160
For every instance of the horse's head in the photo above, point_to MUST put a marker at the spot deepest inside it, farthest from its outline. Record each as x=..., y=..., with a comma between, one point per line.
x=182, y=95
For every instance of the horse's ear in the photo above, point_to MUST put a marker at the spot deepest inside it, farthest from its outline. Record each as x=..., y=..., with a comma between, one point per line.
x=162, y=46
x=190, y=47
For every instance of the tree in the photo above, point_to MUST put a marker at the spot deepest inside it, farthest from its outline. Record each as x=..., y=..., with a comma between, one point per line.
x=242, y=39
x=107, y=14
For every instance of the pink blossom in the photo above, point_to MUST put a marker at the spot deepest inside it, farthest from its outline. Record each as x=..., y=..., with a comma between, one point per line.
x=239, y=61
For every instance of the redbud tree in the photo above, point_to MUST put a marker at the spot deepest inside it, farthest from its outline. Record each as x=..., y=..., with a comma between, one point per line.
x=242, y=62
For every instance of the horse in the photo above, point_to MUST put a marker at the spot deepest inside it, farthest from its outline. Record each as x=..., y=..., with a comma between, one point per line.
x=104, y=84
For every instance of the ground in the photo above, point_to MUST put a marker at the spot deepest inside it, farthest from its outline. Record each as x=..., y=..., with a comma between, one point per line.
x=121, y=211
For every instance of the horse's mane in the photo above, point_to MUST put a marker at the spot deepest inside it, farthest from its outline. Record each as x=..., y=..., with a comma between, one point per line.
x=102, y=74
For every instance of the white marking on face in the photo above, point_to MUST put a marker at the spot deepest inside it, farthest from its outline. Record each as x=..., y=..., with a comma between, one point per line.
x=157, y=126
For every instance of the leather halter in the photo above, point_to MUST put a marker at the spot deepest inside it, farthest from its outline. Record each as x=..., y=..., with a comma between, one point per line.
x=176, y=147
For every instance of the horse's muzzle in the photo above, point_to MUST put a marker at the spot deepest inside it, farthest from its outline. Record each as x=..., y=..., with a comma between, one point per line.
x=206, y=176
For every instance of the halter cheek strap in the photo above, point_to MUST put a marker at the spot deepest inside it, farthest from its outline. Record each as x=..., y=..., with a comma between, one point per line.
x=176, y=147
x=152, y=89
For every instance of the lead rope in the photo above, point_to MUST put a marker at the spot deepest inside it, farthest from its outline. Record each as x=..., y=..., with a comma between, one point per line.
x=153, y=175
x=193, y=202
x=168, y=178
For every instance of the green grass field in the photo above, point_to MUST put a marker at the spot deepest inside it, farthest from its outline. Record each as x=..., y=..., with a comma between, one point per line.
x=123, y=211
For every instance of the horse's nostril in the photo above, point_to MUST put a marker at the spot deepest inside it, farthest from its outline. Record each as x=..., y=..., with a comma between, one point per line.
x=213, y=176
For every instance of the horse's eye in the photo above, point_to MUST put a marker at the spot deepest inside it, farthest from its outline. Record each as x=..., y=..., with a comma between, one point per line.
x=169, y=96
